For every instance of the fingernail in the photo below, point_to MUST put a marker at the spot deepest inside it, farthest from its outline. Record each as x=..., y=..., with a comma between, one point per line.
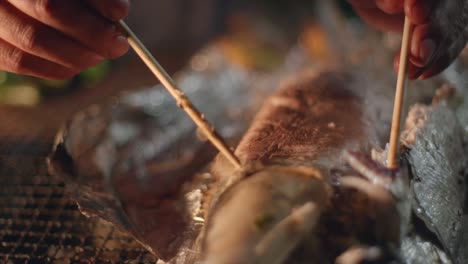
x=120, y=39
x=426, y=49
x=120, y=46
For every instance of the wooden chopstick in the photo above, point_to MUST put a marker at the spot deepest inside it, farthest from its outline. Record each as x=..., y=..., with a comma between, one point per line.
x=182, y=101
x=393, y=148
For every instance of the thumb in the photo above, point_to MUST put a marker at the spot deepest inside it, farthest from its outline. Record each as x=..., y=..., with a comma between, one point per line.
x=114, y=10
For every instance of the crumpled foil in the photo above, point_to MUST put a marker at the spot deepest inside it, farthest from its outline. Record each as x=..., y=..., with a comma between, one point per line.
x=125, y=161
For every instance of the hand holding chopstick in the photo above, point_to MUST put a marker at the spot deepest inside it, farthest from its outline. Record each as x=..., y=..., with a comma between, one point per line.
x=439, y=29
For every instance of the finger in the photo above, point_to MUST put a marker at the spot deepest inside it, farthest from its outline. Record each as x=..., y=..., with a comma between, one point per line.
x=381, y=20
x=418, y=11
x=412, y=70
x=416, y=72
x=114, y=10
x=436, y=68
x=362, y=3
x=78, y=21
x=423, y=45
x=17, y=61
x=35, y=38
x=391, y=7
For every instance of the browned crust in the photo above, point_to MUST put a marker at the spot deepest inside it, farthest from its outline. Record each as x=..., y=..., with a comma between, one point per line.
x=315, y=114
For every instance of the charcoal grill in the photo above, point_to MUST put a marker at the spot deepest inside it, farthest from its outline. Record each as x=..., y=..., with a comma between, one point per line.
x=39, y=224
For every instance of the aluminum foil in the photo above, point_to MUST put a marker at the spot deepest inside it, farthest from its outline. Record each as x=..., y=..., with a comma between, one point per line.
x=139, y=163
x=125, y=161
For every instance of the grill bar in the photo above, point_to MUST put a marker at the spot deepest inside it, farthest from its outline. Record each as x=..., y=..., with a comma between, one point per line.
x=40, y=224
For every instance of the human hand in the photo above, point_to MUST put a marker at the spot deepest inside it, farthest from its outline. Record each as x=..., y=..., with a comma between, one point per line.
x=57, y=39
x=439, y=29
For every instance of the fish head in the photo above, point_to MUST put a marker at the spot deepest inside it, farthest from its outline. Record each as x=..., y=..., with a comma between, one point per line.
x=261, y=218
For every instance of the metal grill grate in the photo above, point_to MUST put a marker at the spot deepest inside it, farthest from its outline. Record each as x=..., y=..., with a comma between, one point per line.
x=38, y=224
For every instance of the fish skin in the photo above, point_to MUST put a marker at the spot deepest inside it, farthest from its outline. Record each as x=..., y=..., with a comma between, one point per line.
x=439, y=159
x=294, y=125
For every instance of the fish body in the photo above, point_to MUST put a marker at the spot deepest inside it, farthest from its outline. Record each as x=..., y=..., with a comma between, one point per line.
x=293, y=156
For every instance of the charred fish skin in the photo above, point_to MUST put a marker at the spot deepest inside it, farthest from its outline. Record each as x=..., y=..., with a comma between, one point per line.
x=311, y=118
x=306, y=125
x=439, y=158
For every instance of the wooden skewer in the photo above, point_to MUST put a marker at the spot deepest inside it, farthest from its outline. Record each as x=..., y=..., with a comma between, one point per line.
x=182, y=101
x=392, y=159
